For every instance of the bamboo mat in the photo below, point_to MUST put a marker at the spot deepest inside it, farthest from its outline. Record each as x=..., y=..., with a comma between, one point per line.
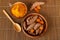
x=51, y=11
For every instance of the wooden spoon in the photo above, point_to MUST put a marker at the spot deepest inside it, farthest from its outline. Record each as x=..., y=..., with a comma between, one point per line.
x=16, y=26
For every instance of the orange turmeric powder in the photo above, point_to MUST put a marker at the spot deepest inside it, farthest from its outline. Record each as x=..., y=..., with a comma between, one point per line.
x=19, y=9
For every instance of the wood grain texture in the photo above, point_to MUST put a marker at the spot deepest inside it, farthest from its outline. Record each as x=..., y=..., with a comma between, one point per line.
x=51, y=11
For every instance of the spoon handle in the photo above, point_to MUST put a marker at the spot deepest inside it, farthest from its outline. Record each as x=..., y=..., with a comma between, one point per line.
x=8, y=16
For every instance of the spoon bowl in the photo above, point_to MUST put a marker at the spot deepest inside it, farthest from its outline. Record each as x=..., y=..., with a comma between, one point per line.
x=16, y=26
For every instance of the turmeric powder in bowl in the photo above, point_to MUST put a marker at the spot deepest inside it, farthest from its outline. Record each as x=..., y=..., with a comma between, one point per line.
x=19, y=9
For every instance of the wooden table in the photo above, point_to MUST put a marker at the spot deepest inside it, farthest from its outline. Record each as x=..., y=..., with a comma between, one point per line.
x=51, y=11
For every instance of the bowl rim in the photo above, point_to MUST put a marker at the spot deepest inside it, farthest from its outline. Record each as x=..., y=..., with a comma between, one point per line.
x=44, y=29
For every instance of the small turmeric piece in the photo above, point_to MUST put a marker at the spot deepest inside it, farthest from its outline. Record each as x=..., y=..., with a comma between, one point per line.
x=41, y=27
x=40, y=21
x=37, y=8
x=32, y=30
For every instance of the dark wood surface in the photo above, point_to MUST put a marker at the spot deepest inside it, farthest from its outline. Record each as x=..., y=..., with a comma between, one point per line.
x=51, y=11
